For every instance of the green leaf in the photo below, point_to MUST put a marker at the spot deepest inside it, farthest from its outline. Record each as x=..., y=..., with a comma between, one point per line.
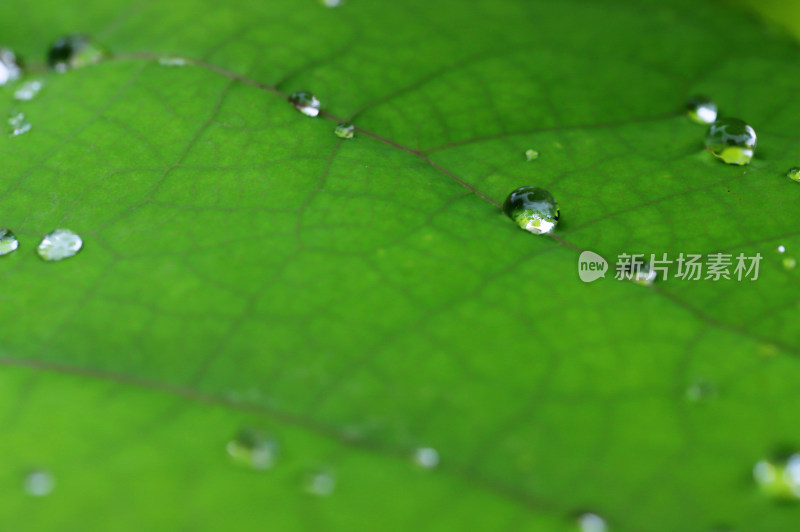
x=358, y=299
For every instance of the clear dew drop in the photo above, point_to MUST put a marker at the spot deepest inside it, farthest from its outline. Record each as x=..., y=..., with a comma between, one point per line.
x=59, y=245
x=172, y=61
x=531, y=155
x=701, y=110
x=731, y=140
x=590, y=522
x=781, y=248
x=779, y=479
x=8, y=242
x=305, y=102
x=789, y=263
x=39, y=483
x=426, y=457
x=320, y=484
x=345, y=130
x=18, y=124
x=794, y=174
x=641, y=273
x=533, y=209
x=28, y=90
x=332, y=3
x=10, y=66
x=253, y=448
x=75, y=51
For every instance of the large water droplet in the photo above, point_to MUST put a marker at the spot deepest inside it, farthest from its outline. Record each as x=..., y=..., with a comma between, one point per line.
x=253, y=448
x=779, y=479
x=8, y=241
x=731, y=140
x=590, y=522
x=59, y=245
x=531, y=155
x=10, y=66
x=794, y=174
x=18, y=124
x=320, y=484
x=39, y=483
x=75, y=51
x=305, y=102
x=28, y=90
x=701, y=110
x=426, y=457
x=345, y=130
x=533, y=209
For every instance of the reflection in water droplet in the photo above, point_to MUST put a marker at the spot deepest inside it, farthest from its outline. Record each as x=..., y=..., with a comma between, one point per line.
x=10, y=66
x=701, y=110
x=530, y=155
x=590, y=522
x=305, y=102
x=533, y=209
x=39, y=483
x=320, y=484
x=789, y=263
x=731, y=140
x=794, y=174
x=75, y=51
x=19, y=124
x=345, y=130
x=58, y=245
x=28, y=90
x=779, y=479
x=253, y=448
x=8, y=241
x=700, y=390
x=426, y=457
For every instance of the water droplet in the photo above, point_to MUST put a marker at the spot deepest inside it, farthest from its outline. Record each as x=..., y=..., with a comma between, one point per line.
x=75, y=51
x=320, y=484
x=590, y=522
x=59, y=245
x=789, y=263
x=426, y=457
x=794, y=174
x=253, y=448
x=8, y=241
x=533, y=209
x=172, y=61
x=305, y=102
x=700, y=390
x=28, y=90
x=530, y=155
x=641, y=273
x=731, y=140
x=10, y=66
x=19, y=124
x=781, y=249
x=345, y=130
x=39, y=483
x=779, y=479
x=701, y=110
x=332, y=3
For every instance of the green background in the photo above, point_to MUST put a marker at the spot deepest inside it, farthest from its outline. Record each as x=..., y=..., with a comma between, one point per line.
x=360, y=298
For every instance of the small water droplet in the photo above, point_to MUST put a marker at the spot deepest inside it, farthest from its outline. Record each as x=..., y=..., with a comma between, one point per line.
x=701, y=110
x=172, y=61
x=781, y=249
x=75, y=51
x=641, y=273
x=426, y=457
x=789, y=263
x=39, y=483
x=345, y=130
x=731, y=140
x=305, y=102
x=700, y=390
x=59, y=245
x=320, y=484
x=533, y=209
x=794, y=174
x=780, y=478
x=19, y=124
x=10, y=66
x=531, y=155
x=253, y=448
x=28, y=90
x=590, y=522
x=8, y=241
x=332, y=3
